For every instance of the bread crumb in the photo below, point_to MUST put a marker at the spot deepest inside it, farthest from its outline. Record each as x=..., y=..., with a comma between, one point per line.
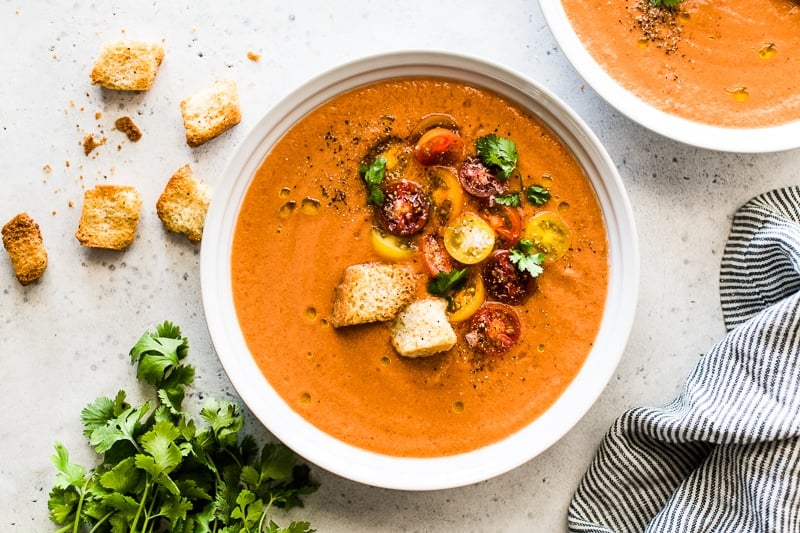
x=254, y=57
x=128, y=127
x=127, y=65
x=109, y=217
x=183, y=204
x=90, y=143
x=210, y=112
x=22, y=240
x=47, y=168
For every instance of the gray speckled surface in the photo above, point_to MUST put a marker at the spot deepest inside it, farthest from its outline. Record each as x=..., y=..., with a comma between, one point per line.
x=64, y=340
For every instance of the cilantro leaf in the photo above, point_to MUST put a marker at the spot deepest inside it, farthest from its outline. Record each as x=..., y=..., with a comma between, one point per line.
x=537, y=195
x=498, y=152
x=510, y=199
x=373, y=177
x=444, y=282
x=525, y=260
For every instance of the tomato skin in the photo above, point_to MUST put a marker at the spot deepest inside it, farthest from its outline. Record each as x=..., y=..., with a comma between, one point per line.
x=435, y=257
x=506, y=221
x=439, y=146
x=404, y=210
x=494, y=329
x=504, y=281
x=478, y=180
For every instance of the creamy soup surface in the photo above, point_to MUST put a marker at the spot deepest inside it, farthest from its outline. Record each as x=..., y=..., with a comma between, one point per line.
x=305, y=218
x=730, y=63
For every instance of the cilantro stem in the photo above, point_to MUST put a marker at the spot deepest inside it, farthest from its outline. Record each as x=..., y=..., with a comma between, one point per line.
x=141, y=505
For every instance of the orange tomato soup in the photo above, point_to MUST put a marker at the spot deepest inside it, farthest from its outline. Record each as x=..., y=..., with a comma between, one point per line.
x=305, y=219
x=732, y=63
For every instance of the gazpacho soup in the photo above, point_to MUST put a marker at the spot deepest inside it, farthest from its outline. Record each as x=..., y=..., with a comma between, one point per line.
x=419, y=267
x=730, y=63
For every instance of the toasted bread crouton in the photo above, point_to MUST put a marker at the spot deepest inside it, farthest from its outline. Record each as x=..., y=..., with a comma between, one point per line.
x=109, y=217
x=210, y=112
x=183, y=204
x=371, y=292
x=127, y=65
x=422, y=329
x=23, y=242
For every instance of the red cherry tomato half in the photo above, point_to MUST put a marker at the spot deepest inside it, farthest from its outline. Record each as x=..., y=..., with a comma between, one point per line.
x=503, y=280
x=404, y=210
x=506, y=221
x=435, y=256
x=478, y=180
x=494, y=329
x=439, y=146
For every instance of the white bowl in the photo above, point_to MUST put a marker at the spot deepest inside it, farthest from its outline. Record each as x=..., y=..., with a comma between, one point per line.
x=750, y=140
x=423, y=473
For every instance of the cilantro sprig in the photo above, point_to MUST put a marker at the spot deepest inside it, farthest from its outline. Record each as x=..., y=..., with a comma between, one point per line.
x=665, y=3
x=499, y=153
x=526, y=259
x=373, y=177
x=160, y=471
x=444, y=282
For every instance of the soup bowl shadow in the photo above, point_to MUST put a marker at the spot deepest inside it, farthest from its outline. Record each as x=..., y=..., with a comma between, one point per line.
x=409, y=473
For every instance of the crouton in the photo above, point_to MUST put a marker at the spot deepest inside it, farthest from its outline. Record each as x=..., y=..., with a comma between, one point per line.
x=109, y=217
x=371, y=292
x=23, y=242
x=210, y=112
x=422, y=329
x=127, y=65
x=183, y=204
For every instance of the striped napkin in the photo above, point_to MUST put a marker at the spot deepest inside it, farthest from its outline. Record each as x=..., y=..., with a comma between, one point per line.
x=725, y=454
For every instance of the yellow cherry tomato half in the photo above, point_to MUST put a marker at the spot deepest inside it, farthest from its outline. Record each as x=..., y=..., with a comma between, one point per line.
x=549, y=234
x=468, y=299
x=447, y=195
x=390, y=247
x=469, y=239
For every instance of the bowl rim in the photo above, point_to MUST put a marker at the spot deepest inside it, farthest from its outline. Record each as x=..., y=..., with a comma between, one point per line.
x=742, y=140
x=410, y=473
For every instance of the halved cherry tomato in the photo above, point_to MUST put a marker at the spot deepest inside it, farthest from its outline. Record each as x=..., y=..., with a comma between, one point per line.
x=494, y=329
x=446, y=194
x=549, y=235
x=478, y=180
x=467, y=300
x=439, y=146
x=435, y=256
x=433, y=120
x=504, y=281
x=506, y=221
x=390, y=247
x=404, y=210
x=469, y=239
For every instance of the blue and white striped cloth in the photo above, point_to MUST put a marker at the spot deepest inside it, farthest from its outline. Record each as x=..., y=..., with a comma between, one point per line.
x=724, y=456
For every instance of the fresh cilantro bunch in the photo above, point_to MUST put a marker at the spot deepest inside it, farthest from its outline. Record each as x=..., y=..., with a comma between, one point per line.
x=159, y=471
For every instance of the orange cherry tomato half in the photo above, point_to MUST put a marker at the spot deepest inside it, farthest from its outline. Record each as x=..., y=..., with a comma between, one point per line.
x=447, y=195
x=435, y=256
x=468, y=299
x=506, y=221
x=439, y=146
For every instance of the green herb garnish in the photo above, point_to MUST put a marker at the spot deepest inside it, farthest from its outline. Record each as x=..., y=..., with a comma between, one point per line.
x=665, y=3
x=511, y=199
x=498, y=152
x=444, y=282
x=525, y=259
x=161, y=472
x=537, y=195
x=373, y=177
